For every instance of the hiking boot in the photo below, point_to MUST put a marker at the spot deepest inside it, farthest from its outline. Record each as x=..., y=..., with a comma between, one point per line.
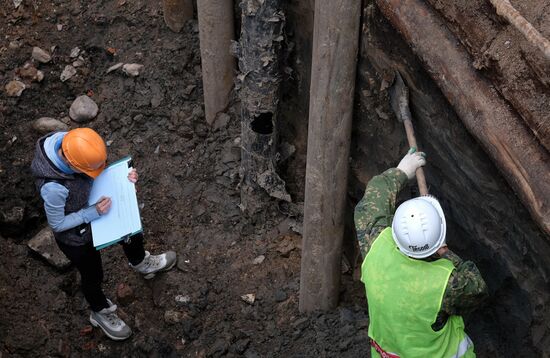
x=108, y=321
x=152, y=264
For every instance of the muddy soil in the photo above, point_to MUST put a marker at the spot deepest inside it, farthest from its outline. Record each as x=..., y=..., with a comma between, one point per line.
x=188, y=190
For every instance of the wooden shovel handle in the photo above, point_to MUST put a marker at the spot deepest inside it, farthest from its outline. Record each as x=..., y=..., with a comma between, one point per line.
x=420, y=178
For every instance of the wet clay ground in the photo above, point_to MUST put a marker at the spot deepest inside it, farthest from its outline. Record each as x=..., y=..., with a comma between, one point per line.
x=188, y=190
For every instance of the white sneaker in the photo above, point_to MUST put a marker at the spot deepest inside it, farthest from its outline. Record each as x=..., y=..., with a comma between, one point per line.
x=110, y=323
x=152, y=264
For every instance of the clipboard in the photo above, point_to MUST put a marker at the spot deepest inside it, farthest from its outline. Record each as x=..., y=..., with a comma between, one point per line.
x=123, y=219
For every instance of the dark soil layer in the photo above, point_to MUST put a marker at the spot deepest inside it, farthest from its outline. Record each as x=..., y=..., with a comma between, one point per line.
x=188, y=188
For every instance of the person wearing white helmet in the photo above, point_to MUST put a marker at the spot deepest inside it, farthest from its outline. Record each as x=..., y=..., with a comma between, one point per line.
x=417, y=289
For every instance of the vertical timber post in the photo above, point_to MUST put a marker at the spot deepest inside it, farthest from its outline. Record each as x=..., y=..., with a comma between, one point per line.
x=176, y=13
x=259, y=52
x=216, y=31
x=335, y=48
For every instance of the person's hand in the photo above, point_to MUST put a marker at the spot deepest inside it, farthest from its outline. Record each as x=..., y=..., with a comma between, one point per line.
x=412, y=161
x=103, y=205
x=133, y=176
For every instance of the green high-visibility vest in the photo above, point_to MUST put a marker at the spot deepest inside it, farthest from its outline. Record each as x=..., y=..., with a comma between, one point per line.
x=404, y=297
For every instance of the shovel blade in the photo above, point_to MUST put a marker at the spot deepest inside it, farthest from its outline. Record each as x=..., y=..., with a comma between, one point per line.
x=399, y=97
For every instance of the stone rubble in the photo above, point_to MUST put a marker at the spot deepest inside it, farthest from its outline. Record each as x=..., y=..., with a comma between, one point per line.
x=83, y=109
x=68, y=72
x=115, y=67
x=44, y=244
x=40, y=55
x=258, y=260
x=249, y=298
x=132, y=69
x=125, y=294
x=15, y=88
x=75, y=52
x=46, y=125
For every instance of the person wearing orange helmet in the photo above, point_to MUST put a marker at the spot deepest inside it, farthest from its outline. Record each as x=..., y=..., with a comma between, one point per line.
x=64, y=166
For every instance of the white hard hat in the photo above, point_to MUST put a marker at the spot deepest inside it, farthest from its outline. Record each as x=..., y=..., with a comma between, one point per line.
x=419, y=227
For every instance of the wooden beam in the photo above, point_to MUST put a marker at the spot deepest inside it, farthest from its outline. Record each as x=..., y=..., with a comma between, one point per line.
x=506, y=10
x=334, y=58
x=514, y=149
x=216, y=31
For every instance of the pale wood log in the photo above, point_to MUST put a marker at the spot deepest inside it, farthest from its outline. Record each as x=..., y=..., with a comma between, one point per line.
x=334, y=57
x=176, y=13
x=506, y=10
x=514, y=149
x=216, y=31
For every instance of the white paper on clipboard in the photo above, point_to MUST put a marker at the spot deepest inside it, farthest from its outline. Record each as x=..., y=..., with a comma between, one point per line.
x=123, y=218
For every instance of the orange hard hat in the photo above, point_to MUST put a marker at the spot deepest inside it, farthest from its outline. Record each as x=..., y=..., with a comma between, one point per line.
x=85, y=151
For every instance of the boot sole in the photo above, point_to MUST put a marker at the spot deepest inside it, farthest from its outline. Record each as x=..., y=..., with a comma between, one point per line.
x=114, y=338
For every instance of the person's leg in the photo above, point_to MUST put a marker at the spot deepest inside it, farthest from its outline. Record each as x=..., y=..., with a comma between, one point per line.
x=133, y=249
x=88, y=262
x=142, y=261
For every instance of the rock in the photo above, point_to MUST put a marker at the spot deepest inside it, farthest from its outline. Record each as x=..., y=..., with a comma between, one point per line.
x=40, y=55
x=221, y=121
x=183, y=264
x=83, y=109
x=249, y=298
x=280, y=296
x=46, y=124
x=14, y=44
x=381, y=113
x=240, y=346
x=28, y=71
x=183, y=299
x=39, y=76
x=124, y=294
x=300, y=323
x=189, y=89
x=219, y=348
x=15, y=88
x=75, y=52
x=78, y=63
x=197, y=112
x=286, y=246
x=231, y=155
x=173, y=316
x=132, y=69
x=115, y=67
x=68, y=72
x=258, y=260
x=87, y=330
x=44, y=244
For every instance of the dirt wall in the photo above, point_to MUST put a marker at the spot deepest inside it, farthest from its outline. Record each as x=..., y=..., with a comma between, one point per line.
x=487, y=223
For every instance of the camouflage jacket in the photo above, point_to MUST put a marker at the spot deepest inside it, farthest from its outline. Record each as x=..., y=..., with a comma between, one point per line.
x=466, y=289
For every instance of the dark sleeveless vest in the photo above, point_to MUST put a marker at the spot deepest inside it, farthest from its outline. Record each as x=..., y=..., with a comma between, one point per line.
x=79, y=186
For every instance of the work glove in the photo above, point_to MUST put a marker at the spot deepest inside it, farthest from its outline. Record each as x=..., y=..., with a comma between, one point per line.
x=412, y=161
